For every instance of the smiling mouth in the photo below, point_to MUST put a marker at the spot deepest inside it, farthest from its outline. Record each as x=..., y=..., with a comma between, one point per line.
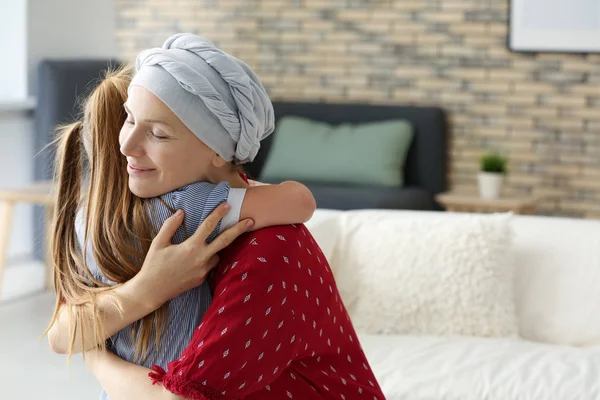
x=139, y=169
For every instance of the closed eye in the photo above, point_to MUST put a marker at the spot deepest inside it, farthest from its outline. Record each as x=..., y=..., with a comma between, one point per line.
x=159, y=136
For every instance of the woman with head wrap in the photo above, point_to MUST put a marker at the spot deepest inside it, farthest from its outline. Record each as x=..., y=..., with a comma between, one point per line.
x=276, y=327
x=110, y=237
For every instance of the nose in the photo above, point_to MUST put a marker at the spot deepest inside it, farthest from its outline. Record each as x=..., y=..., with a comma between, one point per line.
x=132, y=142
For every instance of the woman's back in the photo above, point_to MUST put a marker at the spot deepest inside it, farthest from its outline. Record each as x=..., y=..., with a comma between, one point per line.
x=277, y=327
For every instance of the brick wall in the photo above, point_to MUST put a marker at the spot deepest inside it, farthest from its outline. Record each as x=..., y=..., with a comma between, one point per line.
x=542, y=110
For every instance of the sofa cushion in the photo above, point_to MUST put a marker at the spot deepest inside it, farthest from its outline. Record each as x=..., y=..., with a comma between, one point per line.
x=371, y=153
x=461, y=368
x=557, y=273
x=427, y=276
x=324, y=227
x=558, y=279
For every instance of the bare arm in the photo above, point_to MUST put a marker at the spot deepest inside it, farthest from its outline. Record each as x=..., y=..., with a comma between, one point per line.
x=287, y=203
x=134, y=303
x=168, y=271
x=123, y=380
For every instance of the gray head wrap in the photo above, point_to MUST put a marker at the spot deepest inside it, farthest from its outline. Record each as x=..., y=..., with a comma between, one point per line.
x=218, y=97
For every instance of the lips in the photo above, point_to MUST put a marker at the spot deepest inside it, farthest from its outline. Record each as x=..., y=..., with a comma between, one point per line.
x=139, y=168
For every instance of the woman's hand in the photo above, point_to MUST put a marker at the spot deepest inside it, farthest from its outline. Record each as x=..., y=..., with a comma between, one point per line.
x=170, y=270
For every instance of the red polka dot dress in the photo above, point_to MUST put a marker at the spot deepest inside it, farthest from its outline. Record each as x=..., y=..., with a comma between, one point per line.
x=276, y=329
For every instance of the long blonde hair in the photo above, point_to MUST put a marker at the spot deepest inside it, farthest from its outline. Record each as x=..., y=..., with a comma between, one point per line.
x=116, y=221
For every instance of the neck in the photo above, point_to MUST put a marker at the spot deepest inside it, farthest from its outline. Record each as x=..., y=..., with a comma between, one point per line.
x=236, y=181
x=226, y=174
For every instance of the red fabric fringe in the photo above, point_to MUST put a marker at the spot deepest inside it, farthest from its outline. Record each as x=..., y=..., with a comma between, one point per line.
x=157, y=374
x=182, y=387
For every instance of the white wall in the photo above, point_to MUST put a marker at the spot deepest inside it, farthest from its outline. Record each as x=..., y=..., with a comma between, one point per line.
x=13, y=39
x=32, y=30
x=29, y=31
x=69, y=29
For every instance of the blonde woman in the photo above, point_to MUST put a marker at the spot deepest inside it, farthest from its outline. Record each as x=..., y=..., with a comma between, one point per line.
x=276, y=327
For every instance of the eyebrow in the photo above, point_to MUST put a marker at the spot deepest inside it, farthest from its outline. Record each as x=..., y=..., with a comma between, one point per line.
x=150, y=121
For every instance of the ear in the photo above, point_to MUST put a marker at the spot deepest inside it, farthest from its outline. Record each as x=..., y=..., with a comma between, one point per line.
x=217, y=161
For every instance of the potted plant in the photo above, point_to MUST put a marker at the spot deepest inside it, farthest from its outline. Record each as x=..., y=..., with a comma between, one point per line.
x=491, y=175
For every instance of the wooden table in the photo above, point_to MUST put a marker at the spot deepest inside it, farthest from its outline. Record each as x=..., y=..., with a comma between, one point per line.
x=36, y=193
x=471, y=202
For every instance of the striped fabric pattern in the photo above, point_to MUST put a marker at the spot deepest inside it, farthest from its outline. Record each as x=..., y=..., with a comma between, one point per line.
x=197, y=200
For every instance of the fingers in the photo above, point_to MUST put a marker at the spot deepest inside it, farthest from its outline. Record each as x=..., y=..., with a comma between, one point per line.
x=205, y=269
x=168, y=229
x=208, y=226
x=227, y=237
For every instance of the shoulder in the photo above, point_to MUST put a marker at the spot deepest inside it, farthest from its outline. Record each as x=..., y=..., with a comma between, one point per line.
x=197, y=200
x=194, y=192
x=201, y=188
x=272, y=240
x=268, y=248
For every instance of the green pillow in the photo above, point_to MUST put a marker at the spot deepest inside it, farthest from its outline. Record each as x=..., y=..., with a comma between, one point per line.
x=366, y=154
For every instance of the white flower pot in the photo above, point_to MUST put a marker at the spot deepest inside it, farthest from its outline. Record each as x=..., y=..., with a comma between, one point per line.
x=490, y=185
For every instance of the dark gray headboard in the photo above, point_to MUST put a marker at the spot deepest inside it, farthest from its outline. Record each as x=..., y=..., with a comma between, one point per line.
x=61, y=86
x=426, y=165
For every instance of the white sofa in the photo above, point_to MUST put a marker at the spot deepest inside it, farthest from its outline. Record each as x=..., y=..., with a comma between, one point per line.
x=556, y=354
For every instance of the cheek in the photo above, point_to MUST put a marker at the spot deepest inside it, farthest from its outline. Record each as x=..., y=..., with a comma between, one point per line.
x=193, y=162
x=174, y=161
x=180, y=162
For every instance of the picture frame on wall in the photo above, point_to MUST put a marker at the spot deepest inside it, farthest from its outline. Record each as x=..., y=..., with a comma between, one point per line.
x=564, y=26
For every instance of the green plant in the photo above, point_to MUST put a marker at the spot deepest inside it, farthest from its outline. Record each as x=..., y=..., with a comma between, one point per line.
x=493, y=162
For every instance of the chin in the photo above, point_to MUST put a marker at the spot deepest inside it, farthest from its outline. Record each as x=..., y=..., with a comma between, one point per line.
x=142, y=191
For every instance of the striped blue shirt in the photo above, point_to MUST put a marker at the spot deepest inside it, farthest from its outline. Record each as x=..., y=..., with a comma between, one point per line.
x=197, y=201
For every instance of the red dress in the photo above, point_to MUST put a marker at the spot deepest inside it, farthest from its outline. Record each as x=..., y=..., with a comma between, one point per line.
x=276, y=328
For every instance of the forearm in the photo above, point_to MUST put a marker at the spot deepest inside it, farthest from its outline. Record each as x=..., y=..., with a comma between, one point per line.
x=122, y=380
x=133, y=306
